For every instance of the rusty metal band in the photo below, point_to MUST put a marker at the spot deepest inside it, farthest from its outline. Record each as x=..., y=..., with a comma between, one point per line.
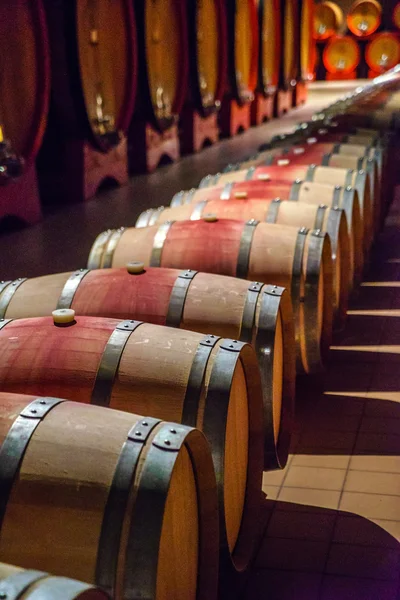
x=8, y=294
x=227, y=191
x=347, y=205
x=4, y=284
x=70, y=287
x=273, y=210
x=96, y=252
x=198, y=210
x=348, y=182
x=143, y=218
x=15, y=444
x=275, y=451
x=250, y=174
x=158, y=243
x=178, y=297
x=153, y=482
x=109, y=363
x=215, y=416
x=295, y=190
x=297, y=269
x=109, y=250
x=209, y=180
x=117, y=502
x=14, y=586
x=246, y=240
x=360, y=184
x=313, y=273
x=320, y=216
x=249, y=312
x=195, y=385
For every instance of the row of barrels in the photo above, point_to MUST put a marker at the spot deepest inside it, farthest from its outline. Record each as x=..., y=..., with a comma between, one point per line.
x=177, y=350
x=342, y=54
x=101, y=63
x=363, y=18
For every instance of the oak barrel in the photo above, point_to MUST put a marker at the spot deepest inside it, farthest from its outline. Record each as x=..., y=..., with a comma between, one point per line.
x=331, y=220
x=383, y=52
x=202, y=302
x=94, y=69
x=97, y=495
x=207, y=53
x=346, y=179
x=163, y=59
x=29, y=584
x=25, y=76
x=364, y=17
x=269, y=18
x=290, y=44
x=298, y=259
x=205, y=381
x=242, y=48
x=396, y=15
x=328, y=20
x=341, y=55
x=308, y=50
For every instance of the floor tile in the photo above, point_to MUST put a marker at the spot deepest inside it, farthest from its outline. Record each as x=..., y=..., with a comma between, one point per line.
x=321, y=499
x=374, y=483
x=283, y=585
x=315, y=478
x=363, y=561
x=351, y=588
x=371, y=505
x=313, y=526
x=292, y=555
x=352, y=529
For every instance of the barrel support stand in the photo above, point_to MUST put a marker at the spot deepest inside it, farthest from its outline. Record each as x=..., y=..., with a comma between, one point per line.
x=80, y=170
x=148, y=148
x=262, y=109
x=283, y=102
x=234, y=119
x=300, y=93
x=20, y=198
x=195, y=131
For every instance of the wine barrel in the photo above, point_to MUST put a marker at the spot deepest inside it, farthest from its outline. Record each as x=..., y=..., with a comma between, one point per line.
x=269, y=18
x=207, y=53
x=308, y=50
x=96, y=495
x=344, y=178
x=94, y=72
x=174, y=375
x=290, y=44
x=163, y=59
x=364, y=17
x=297, y=259
x=341, y=55
x=396, y=16
x=28, y=584
x=331, y=220
x=242, y=48
x=25, y=76
x=328, y=20
x=202, y=302
x=383, y=52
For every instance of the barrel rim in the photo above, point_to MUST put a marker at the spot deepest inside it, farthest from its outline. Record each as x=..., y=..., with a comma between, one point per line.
x=379, y=36
x=269, y=89
x=105, y=143
x=331, y=42
x=205, y=111
x=357, y=32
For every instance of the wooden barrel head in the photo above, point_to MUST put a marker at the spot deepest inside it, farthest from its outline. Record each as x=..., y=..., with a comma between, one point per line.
x=328, y=20
x=25, y=75
x=270, y=45
x=341, y=55
x=364, y=17
x=106, y=46
x=383, y=52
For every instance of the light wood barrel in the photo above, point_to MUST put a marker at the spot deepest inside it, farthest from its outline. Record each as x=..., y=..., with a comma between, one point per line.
x=298, y=259
x=207, y=53
x=308, y=50
x=329, y=195
x=29, y=584
x=202, y=302
x=341, y=55
x=383, y=52
x=97, y=495
x=328, y=20
x=163, y=59
x=269, y=17
x=242, y=48
x=331, y=220
x=290, y=44
x=200, y=380
x=345, y=178
x=364, y=17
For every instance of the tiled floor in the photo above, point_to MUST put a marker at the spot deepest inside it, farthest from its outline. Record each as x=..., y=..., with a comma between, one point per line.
x=333, y=515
